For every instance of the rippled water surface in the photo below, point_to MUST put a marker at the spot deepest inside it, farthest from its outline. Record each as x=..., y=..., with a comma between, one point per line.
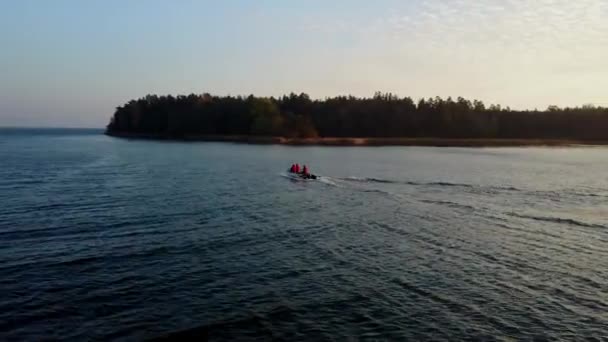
x=104, y=238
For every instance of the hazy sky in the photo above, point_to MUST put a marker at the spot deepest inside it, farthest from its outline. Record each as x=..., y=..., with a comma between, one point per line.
x=70, y=63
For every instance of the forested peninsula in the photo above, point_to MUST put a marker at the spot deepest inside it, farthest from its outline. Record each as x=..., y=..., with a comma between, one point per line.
x=384, y=119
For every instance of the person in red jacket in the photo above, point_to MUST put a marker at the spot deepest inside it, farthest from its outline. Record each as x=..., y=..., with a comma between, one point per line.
x=292, y=169
x=297, y=168
x=305, y=170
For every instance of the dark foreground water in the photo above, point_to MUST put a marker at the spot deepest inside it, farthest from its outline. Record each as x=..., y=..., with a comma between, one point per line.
x=103, y=238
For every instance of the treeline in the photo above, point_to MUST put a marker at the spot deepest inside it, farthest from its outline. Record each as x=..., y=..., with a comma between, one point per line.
x=383, y=115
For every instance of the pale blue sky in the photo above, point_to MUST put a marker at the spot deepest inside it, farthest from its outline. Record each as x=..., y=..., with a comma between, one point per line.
x=69, y=63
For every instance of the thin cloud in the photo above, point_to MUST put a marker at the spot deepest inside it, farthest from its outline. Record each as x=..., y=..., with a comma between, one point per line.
x=510, y=51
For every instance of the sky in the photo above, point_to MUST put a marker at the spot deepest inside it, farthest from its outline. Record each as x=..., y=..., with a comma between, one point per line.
x=70, y=63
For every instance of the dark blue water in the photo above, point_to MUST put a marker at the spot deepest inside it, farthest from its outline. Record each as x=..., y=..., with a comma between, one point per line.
x=104, y=238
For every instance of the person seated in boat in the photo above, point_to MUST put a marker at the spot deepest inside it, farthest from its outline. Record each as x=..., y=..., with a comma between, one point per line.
x=305, y=171
x=297, y=169
x=292, y=169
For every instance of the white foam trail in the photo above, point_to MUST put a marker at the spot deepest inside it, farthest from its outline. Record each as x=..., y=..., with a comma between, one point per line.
x=328, y=181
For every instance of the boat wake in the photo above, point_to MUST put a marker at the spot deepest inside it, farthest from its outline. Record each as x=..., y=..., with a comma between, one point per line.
x=433, y=184
x=320, y=179
x=389, y=181
x=368, y=180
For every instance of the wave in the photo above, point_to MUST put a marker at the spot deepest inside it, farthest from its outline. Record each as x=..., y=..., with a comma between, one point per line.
x=575, y=193
x=63, y=260
x=450, y=184
x=450, y=204
x=378, y=191
x=507, y=188
x=561, y=220
x=254, y=324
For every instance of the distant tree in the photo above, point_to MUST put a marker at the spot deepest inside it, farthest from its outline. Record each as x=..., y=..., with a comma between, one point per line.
x=267, y=119
x=382, y=115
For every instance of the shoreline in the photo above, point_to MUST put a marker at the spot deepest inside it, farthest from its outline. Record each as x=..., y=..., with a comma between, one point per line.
x=361, y=141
